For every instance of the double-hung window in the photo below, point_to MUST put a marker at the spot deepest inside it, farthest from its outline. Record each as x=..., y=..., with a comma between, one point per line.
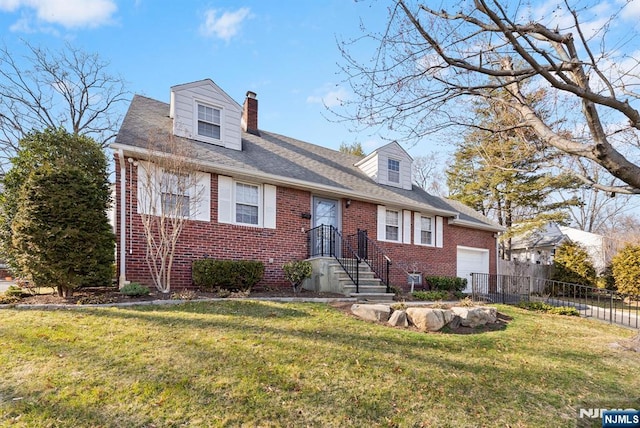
x=393, y=166
x=208, y=121
x=174, y=194
x=247, y=203
x=426, y=230
x=392, y=225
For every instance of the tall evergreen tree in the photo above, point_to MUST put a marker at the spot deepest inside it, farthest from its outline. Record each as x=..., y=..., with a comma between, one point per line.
x=499, y=170
x=57, y=150
x=61, y=236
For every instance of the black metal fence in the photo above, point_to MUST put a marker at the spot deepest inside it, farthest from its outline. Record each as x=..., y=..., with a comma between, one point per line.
x=600, y=303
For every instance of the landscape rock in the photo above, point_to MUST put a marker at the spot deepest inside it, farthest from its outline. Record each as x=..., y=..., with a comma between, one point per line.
x=429, y=319
x=476, y=316
x=398, y=319
x=455, y=322
x=375, y=312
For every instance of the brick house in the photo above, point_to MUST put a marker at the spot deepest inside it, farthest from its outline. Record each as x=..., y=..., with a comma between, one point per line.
x=272, y=198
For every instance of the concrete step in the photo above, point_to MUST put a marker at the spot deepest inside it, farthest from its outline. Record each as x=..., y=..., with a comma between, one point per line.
x=361, y=268
x=364, y=288
x=362, y=276
x=373, y=297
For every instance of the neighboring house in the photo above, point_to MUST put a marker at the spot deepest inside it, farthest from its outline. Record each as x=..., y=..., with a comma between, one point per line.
x=540, y=246
x=274, y=199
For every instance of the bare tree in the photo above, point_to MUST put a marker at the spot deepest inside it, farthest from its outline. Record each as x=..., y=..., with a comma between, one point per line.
x=431, y=64
x=597, y=211
x=427, y=173
x=170, y=192
x=46, y=89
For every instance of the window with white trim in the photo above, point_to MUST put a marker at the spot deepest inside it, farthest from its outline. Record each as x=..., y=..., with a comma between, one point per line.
x=163, y=192
x=247, y=203
x=208, y=121
x=174, y=194
x=392, y=225
x=393, y=166
x=426, y=230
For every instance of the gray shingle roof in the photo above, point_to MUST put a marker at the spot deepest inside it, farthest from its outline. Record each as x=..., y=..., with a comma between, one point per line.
x=284, y=159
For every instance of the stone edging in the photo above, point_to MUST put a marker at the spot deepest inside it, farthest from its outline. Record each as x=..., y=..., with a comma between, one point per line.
x=176, y=302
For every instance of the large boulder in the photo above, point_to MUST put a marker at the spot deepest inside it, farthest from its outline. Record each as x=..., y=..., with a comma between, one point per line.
x=475, y=316
x=398, y=319
x=372, y=312
x=429, y=319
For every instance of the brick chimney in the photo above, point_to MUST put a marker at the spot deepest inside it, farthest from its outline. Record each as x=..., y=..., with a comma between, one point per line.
x=250, y=114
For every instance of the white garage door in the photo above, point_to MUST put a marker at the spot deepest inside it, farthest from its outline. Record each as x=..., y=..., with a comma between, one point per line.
x=472, y=260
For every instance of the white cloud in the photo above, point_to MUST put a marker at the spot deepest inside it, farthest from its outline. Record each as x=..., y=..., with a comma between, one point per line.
x=330, y=98
x=67, y=13
x=226, y=25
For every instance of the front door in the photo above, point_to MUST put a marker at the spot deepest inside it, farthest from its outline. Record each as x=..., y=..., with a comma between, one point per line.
x=325, y=220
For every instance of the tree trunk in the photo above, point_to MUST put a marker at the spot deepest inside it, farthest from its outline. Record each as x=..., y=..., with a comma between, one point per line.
x=64, y=291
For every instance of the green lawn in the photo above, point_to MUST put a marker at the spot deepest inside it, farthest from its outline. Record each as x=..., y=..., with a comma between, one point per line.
x=248, y=363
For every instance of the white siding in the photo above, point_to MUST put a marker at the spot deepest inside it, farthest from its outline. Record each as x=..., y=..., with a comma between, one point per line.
x=370, y=167
x=183, y=108
x=394, y=151
x=376, y=165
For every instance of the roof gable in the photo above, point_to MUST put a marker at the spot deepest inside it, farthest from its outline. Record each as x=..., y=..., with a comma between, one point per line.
x=204, y=112
x=389, y=165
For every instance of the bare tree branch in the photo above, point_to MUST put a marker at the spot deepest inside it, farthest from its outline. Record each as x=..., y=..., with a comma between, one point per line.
x=430, y=65
x=68, y=88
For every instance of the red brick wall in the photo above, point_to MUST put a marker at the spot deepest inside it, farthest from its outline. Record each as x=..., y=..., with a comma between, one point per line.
x=287, y=242
x=198, y=239
x=418, y=258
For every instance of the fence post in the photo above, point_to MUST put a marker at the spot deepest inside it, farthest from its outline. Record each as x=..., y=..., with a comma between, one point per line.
x=611, y=308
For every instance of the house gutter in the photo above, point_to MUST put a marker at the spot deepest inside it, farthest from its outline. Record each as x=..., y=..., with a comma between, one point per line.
x=123, y=219
x=300, y=184
x=482, y=226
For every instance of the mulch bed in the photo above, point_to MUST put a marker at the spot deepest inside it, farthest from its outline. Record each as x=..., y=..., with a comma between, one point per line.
x=103, y=295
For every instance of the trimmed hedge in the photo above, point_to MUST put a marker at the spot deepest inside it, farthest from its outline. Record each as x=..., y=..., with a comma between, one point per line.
x=446, y=283
x=233, y=275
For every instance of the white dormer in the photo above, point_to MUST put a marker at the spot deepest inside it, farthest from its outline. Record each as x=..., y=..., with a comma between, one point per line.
x=390, y=165
x=204, y=112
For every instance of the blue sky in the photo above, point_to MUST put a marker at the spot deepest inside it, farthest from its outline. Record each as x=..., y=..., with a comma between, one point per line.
x=285, y=51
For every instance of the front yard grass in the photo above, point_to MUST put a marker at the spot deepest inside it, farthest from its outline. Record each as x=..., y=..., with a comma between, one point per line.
x=250, y=363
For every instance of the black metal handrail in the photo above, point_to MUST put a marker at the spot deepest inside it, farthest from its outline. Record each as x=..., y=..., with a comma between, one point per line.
x=326, y=241
x=372, y=255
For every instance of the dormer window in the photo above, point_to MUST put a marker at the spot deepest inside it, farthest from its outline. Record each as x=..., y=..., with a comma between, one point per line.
x=394, y=171
x=208, y=121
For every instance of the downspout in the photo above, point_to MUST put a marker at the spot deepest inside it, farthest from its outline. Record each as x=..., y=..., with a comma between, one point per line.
x=497, y=237
x=123, y=219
